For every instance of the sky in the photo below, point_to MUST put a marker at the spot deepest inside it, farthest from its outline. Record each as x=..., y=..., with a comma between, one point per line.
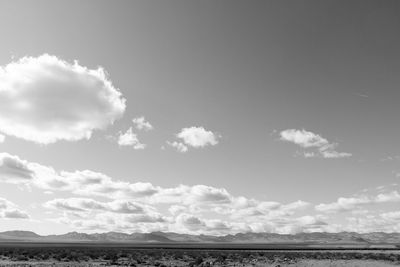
x=200, y=117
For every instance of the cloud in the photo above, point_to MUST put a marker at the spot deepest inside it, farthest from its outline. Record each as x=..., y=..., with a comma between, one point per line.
x=199, y=209
x=180, y=147
x=106, y=222
x=90, y=214
x=87, y=205
x=10, y=211
x=177, y=209
x=97, y=184
x=267, y=209
x=203, y=193
x=343, y=204
x=196, y=137
x=391, y=158
x=46, y=99
x=303, y=138
x=140, y=123
x=190, y=222
x=192, y=195
x=86, y=182
x=355, y=203
x=2, y=138
x=331, y=154
x=14, y=170
x=138, y=206
x=307, y=140
x=130, y=139
x=75, y=204
x=388, y=222
x=196, y=198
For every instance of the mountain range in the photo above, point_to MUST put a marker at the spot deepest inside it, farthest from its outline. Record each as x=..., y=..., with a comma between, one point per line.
x=170, y=237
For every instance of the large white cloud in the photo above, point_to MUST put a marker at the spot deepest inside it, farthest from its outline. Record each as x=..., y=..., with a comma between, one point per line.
x=306, y=139
x=45, y=99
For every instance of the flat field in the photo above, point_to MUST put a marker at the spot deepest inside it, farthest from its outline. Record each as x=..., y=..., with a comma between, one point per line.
x=194, y=254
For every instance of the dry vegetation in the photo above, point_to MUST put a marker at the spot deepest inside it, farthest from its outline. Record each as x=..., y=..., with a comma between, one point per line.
x=95, y=256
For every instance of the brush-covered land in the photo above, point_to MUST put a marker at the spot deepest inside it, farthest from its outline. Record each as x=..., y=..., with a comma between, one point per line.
x=58, y=255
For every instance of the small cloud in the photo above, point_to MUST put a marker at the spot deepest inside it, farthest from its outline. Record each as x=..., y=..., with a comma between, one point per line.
x=361, y=95
x=309, y=154
x=331, y=154
x=391, y=158
x=129, y=138
x=180, y=147
x=14, y=170
x=2, y=138
x=303, y=138
x=10, y=211
x=273, y=132
x=140, y=123
x=196, y=137
x=15, y=214
x=309, y=140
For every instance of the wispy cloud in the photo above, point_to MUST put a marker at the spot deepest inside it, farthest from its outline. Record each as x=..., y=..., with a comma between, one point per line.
x=309, y=140
x=361, y=95
x=391, y=158
x=180, y=147
x=354, y=203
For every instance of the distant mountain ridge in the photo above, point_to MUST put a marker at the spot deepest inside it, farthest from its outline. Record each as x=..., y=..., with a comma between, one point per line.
x=170, y=237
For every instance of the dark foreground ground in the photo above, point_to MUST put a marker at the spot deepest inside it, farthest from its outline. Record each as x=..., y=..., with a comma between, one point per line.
x=57, y=254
